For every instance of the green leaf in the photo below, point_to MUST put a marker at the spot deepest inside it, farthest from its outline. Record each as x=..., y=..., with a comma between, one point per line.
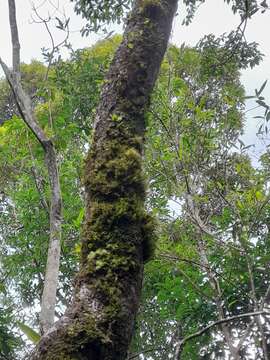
x=262, y=88
x=239, y=204
x=77, y=222
x=262, y=103
x=30, y=333
x=259, y=195
x=242, y=144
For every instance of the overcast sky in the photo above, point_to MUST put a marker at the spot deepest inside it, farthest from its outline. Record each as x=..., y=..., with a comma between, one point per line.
x=212, y=17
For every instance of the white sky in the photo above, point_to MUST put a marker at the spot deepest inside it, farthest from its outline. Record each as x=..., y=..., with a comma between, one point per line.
x=212, y=17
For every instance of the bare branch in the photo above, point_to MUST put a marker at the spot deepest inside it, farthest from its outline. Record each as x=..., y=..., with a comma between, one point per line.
x=54, y=47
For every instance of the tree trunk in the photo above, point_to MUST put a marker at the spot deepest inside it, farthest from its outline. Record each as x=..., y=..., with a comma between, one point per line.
x=24, y=104
x=117, y=233
x=48, y=301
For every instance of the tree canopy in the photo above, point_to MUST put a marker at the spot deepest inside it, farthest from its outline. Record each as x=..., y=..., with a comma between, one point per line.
x=189, y=203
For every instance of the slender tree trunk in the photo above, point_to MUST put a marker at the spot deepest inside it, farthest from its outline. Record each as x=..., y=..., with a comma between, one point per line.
x=214, y=283
x=48, y=301
x=117, y=233
x=213, y=280
x=25, y=108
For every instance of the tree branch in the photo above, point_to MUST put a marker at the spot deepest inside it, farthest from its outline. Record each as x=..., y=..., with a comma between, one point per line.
x=14, y=37
x=202, y=331
x=24, y=105
x=222, y=321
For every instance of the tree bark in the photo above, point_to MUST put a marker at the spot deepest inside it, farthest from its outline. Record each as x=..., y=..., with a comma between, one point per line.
x=48, y=301
x=117, y=232
x=24, y=104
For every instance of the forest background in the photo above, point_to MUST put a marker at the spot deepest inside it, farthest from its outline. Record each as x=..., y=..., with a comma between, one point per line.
x=184, y=72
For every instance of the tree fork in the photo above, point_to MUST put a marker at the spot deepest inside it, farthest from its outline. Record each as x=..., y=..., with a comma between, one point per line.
x=117, y=233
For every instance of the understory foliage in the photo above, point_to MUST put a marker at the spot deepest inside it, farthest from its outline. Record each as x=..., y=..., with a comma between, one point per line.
x=211, y=204
x=213, y=250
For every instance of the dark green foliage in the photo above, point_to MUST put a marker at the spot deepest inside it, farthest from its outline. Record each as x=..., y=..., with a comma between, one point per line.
x=99, y=13
x=9, y=342
x=245, y=8
x=230, y=50
x=194, y=120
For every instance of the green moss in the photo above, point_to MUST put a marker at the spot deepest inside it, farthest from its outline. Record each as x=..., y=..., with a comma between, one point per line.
x=118, y=234
x=86, y=324
x=149, y=230
x=146, y=3
x=118, y=219
x=116, y=117
x=116, y=166
x=75, y=341
x=114, y=179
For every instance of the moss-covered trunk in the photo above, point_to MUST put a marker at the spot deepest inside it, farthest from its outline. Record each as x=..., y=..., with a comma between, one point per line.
x=117, y=234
